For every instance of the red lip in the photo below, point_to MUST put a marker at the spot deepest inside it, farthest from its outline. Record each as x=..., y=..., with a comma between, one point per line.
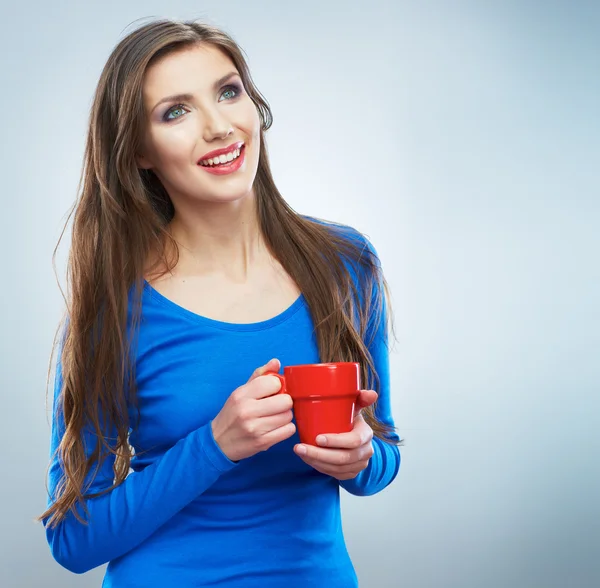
x=217, y=152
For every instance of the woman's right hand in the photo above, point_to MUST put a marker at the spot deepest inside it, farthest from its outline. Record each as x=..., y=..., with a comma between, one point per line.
x=254, y=417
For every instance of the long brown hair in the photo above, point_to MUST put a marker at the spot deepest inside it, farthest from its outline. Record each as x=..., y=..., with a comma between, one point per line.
x=120, y=219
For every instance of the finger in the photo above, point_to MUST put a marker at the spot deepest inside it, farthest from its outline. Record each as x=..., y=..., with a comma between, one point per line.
x=275, y=421
x=327, y=457
x=271, y=405
x=365, y=398
x=263, y=386
x=273, y=365
x=360, y=435
x=277, y=435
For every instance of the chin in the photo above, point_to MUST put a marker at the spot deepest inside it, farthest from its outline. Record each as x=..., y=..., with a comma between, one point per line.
x=227, y=197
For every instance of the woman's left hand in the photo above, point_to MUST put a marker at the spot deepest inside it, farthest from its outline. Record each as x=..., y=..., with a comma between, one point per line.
x=343, y=455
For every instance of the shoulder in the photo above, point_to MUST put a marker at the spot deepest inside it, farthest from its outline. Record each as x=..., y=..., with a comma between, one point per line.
x=357, y=252
x=359, y=241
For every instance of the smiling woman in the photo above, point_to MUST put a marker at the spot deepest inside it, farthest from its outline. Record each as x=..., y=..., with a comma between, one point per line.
x=181, y=125
x=188, y=271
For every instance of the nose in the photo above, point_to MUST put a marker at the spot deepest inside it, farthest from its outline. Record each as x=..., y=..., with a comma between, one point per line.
x=216, y=126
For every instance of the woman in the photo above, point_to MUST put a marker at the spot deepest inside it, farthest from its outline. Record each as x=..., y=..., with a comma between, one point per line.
x=188, y=271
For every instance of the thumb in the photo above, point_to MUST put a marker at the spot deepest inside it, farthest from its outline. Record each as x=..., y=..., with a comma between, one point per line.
x=365, y=398
x=272, y=365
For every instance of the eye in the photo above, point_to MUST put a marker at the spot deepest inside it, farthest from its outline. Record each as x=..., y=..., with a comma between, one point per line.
x=173, y=109
x=232, y=88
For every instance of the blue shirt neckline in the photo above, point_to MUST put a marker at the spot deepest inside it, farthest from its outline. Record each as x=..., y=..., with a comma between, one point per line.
x=204, y=320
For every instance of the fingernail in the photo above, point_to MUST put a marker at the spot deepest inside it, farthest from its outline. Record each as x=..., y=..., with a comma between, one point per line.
x=301, y=450
x=321, y=440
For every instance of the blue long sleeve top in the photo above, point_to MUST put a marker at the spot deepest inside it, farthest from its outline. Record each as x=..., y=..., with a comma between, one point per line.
x=188, y=516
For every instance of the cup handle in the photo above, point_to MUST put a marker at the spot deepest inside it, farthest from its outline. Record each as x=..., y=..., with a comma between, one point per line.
x=281, y=378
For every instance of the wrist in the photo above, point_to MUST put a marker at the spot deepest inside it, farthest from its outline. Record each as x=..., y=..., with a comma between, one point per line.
x=217, y=434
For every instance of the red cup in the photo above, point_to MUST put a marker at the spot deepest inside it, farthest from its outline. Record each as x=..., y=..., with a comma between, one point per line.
x=324, y=395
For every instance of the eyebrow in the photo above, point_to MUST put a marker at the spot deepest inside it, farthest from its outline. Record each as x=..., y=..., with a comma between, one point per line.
x=186, y=97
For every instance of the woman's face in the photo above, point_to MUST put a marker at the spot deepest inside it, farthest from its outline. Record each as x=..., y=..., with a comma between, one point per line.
x=216, y=113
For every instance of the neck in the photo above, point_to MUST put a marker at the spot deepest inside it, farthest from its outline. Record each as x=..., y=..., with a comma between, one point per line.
x=219, y=237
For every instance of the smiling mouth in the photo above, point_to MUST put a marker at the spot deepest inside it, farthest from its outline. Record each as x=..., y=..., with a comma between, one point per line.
x=234, y=161
x=223, y=160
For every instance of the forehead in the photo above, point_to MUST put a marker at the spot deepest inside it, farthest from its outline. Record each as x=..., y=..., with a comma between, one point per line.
x=186, y=70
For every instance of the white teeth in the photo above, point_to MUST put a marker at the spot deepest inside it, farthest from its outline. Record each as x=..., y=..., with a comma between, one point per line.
x=222, y=158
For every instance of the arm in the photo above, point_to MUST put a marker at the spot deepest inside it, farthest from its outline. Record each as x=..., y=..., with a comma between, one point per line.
x=385, y=462
x=124, y=517
x=362, y=464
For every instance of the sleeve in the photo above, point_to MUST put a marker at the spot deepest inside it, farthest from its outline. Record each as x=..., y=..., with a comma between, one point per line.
x=124, y=517
x=385, y=463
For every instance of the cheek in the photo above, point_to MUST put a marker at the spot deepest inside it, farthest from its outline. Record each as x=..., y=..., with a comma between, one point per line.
x=169, y=145
x=257, y=123
x=250, y=119
x=254, y=124
x=178, y=144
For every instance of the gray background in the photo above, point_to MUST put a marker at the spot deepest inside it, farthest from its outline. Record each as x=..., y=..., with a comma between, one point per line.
x=461, y=137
